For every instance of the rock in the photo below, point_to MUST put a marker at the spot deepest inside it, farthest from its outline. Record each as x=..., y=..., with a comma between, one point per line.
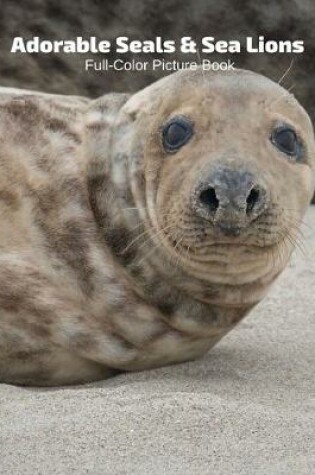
x=171, y=19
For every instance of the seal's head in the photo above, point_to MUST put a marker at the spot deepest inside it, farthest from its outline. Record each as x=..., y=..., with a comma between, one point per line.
x=221, y=167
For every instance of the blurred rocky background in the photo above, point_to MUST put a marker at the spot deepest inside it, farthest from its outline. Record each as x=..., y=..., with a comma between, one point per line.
x=146, y=19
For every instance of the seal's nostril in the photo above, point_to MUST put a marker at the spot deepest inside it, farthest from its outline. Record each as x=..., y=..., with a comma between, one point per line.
x=252, y=200
x=209, y=199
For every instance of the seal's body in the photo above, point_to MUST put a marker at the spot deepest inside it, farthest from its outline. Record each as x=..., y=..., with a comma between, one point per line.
x=136, y=231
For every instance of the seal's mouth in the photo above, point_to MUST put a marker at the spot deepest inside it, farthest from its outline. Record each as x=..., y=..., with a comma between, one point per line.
x=186, y=231
x=204, y=250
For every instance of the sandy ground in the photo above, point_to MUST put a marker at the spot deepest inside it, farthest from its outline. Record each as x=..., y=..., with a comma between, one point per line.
x=247, y=408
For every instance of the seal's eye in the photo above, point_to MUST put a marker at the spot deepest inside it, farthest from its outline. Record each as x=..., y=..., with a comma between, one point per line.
x=285, y=139
x=177, y=133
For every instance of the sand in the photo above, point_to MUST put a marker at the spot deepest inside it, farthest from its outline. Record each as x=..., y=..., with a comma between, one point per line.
x=246, y=408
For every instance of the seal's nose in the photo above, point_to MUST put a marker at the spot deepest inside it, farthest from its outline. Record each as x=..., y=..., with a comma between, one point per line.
x=230, y=199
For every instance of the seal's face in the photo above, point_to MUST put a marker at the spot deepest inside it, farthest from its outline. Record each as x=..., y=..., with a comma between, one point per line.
x=228, y=168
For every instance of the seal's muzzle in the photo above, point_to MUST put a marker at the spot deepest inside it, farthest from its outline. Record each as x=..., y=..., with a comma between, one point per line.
x=229, y=199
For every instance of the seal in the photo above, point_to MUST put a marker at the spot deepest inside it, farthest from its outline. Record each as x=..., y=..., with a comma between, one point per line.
x=137, y=230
